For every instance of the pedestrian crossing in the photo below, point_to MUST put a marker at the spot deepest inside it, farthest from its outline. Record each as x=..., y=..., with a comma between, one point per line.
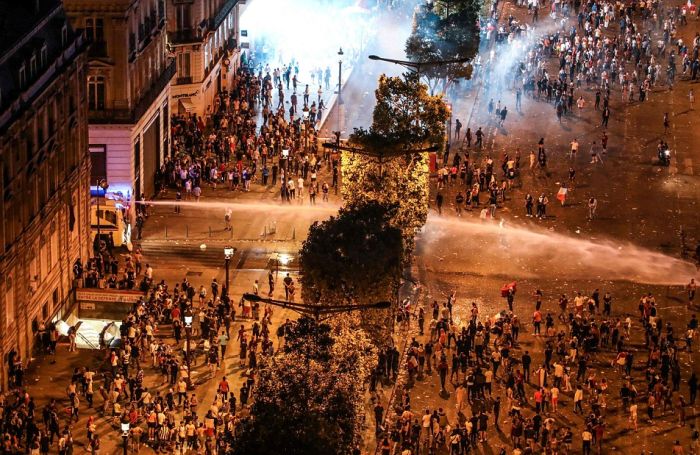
x=177, y=254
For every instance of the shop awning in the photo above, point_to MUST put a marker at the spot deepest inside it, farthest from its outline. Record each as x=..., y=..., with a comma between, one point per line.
x=186, y=105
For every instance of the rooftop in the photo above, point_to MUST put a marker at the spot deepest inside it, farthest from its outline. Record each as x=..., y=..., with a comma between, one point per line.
x=19, y=18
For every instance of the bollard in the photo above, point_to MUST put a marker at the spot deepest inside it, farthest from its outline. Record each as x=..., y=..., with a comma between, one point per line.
x=166, y=231
x=294, y=233
x=265, y=232
x=187, y=231
x=209, y=231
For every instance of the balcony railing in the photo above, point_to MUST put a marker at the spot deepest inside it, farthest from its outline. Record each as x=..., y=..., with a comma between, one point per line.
x=186, y=36
x=154, y=90
x=110, y=116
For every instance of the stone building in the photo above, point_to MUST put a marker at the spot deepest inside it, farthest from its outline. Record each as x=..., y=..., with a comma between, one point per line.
x=128, y=84
x=44, y=209
x=203, y=37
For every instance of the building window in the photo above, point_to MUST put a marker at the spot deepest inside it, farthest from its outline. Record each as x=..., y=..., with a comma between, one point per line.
x=98, y=159
x=94, y=29
x=96, y=93
x=22, y=76
x=183, y=16
x=183, y=65
x=32, y=66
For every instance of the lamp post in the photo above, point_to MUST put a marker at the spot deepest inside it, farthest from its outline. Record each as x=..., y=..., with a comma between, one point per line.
x=317, y=310
x=340, y=87
x=417, y=66
x=228, y=254
x=188, y=332
x=125, y=433
x=103, y=185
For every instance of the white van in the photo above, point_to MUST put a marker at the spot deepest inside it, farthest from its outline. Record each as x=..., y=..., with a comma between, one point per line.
x=113, y=229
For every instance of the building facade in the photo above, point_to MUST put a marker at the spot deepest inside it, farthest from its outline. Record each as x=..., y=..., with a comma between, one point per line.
x=128, y=84
x=44, y=210
x=202, y=37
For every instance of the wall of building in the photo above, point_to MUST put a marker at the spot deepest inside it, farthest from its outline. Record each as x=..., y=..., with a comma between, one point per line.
x=116, y=140
x=131, y=58
x=45, y=179
x=206, y=75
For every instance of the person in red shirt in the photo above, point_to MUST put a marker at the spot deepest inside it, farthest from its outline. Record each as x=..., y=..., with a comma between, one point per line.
x=224, y=388
x=539, y=397
x=537, y=321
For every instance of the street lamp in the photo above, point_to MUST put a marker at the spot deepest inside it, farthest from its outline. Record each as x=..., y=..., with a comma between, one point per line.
x=101, y=184
x=416, y=66
x=188, y=332
x=340, y=84
x=228, y=254
x=125, y=433
x=317, y=310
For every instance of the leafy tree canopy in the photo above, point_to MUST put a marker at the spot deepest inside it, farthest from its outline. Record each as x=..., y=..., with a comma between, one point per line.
x=351, y=258
x=405, y=118
x=445, y=30
x=309, y=404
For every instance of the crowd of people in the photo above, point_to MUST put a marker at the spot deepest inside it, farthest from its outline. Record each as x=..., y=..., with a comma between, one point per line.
x=171, y=348
x=595, y=50
x=589, y=364
x=257, y=134
x=589, y=359
x=173, y=331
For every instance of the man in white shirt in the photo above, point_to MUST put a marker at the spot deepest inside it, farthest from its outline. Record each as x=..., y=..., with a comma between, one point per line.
x=574, y=149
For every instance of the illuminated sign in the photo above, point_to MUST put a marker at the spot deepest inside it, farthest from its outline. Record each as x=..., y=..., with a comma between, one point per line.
x=105, y=295
x=186, y=95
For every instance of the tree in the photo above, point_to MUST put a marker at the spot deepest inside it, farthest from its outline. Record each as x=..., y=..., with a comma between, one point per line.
x=405, y=118
x=310, y=397
x=445, y=30
x=354, y=258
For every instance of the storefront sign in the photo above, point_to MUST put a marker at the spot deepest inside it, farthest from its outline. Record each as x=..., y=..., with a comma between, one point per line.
x=106, y=296
x=186, y=95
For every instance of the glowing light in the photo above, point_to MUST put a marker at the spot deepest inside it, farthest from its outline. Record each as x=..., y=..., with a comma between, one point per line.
x=330, y=25
x=284, y=259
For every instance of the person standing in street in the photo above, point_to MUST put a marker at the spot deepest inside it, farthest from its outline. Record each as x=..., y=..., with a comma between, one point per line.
x=691, y=99
x=442, y=368
x=592, y=206
x=606, y=117
x=691, y=288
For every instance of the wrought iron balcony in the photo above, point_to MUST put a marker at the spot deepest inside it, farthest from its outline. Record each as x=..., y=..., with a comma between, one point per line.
x=185, y=36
